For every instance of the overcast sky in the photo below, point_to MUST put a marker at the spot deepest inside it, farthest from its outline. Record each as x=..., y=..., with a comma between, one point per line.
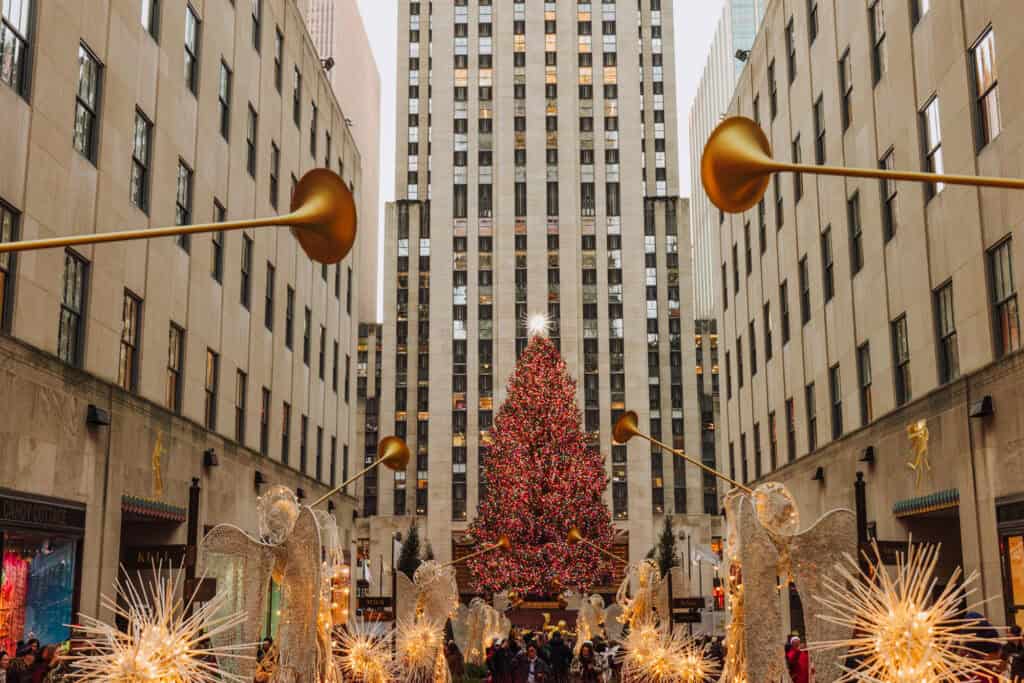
x=695, y=26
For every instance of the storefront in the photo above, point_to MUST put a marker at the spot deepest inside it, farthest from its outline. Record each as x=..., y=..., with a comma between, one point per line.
x=41, y=547
x=1010, y=519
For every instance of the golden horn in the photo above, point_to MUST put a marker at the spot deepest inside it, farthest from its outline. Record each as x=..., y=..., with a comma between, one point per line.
x=503, y=544
x=392, y=452
x=625, y=428
x=322, y=218
x=737, y=165
x=574, y=536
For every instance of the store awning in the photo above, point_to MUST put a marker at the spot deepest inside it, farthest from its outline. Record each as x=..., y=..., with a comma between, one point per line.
x=933, y=502
x=136, y=509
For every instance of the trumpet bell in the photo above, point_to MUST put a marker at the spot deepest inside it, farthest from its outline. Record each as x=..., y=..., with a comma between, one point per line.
x=325, y=210
x=504, y=543
x=737, y=164
x=574, y=536
x=626, y=428
x=393, y=453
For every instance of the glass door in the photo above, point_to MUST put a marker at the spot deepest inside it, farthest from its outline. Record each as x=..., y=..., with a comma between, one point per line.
x=1011, y=547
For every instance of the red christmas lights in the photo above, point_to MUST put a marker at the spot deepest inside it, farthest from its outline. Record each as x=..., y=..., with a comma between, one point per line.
x=542, y=480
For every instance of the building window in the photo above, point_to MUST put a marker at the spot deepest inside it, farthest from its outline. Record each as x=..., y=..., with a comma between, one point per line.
x=275, y=170
x=746, y=248
x=297, y=98
x=224, y=101
x=739, y=362
x=745, y=466
x=307, y=341
x=920, y=8
x=856, y=234
x=191, y=50
x=348, y=370
x=876, y=20
x=752, y=337
x=798, y=178
x=250, y=142
x=846, y=89
x=72, y=309
x=241, y=382
x=265, y=422
x=819, y=131
x=175, y=364
x=313, y=122
x=128, y=359
x=735, y=269
x=790, y=431
x=945, y=328
x=835, y=394
x=725, y=287
x=217, y=244
x=286, y=435
x=212, y=381
x=828, y=280
x=8, y=233
x=812, y=418
x=784, y=311
x=289, y=317
x=986, y=88
x=460, y=202
x=268, y=298
x=348, y=291
x=777, y=186
x=790, y=50
x=334, y=368
x=932, y=140
x=322, y=355
x=278, y=58
x=867, y=406
x=728, y=375
x=183, y=202
x=805, y=292
x=87, y=101
x=245, y=293
x=318, y=471
x=768, y=350
x=520, y=199
x=901, y=359
x=257, y=23
x=773, y=94
x=15, y=23
x=773, y=443
x=1004, y=299
x=890, y=220
x=138, y=184
x=812, y=20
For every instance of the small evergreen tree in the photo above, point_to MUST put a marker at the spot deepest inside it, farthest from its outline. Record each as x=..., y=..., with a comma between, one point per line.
x=409, y=557
x=428, y=552
x=667, y=547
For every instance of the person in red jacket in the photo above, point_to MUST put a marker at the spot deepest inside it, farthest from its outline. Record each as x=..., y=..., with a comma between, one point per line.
x=798, y=661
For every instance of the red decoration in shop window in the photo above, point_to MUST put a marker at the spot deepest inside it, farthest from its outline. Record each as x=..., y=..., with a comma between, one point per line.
x=13, y=588
x=541, y=481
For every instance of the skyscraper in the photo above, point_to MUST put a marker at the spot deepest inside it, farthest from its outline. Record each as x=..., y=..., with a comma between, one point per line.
x=536, y=175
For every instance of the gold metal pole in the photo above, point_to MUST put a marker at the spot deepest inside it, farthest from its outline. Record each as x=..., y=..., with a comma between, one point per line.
x=392, y=452
x=503, y=544
x=322, y=218
x=576, y=537
x=914, y=176
x=626, y=428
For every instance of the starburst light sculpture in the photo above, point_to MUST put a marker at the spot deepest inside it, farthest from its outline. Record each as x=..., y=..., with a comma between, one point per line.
x=364, y=654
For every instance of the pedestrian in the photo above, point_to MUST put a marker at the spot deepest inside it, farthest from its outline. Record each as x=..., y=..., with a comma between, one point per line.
x=587, y=667
x=1013, y=653
x=560, y=658
x=5, y=662
x=530, y=668
x=798, y=661
x=264, y=648
x=456, y=664
x=983, y=645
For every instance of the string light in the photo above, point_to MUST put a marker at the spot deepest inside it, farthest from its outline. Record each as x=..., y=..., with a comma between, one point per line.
x=163, y=644
x=538, y=324
x=653, y=655
x=365, y=654
x=419, y=642
x=900, y=632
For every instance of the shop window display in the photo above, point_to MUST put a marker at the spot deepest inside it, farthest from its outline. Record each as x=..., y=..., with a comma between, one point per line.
x=36, y=588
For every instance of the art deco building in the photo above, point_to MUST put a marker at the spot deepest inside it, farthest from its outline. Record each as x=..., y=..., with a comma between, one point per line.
x=536, y=174
x=871, y=329
x=148, y=383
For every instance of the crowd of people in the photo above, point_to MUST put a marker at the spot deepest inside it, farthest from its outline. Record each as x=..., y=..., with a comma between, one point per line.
x=536, y=658
x=33, y=662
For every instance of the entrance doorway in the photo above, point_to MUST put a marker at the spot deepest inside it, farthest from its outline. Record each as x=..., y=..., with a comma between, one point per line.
x=1010, y=518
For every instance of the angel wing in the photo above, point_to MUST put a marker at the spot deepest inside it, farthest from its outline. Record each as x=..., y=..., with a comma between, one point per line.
x=759, y=559
x=813, y=554
x=405, y=596
x=242, y=567
x=299, y=561
x=612, y=625
x=460, y=628
x=659, y=599
x=437, y=591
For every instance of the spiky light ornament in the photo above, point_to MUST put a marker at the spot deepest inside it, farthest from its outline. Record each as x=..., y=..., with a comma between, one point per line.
x=164, y=642
x=653, y=655
x=419, y=643
x=364, y=654
x=900, y=632
x=735, y=667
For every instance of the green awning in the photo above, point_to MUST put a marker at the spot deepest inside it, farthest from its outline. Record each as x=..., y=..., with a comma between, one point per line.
x=145, y=509
x=940, y=500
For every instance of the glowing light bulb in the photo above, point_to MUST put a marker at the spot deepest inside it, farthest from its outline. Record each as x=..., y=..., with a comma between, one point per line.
x=538, y=324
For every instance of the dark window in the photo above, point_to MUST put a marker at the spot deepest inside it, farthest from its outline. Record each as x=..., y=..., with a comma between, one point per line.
x=275, y=169
x=278, y=58
x=348, y=291
x=798, y=178
x=211, y=385
x=303, y=442
x=224, y=100
x=192, y=25
x=289, y=317
x=739, y=362
x=307, y=332
x=257, y=23
x=856, y=233
x=612, y=199
x=835, y=394
x=931, y=140
x=297, y=97
x=791, y=50
x=846, y=89
x=986, y=88
x=71, y=332
x=286, y=428
x=773, y=94
x=752, y=337
x=15, y=25
x=725, y=287
x=827, y=265
x=138, y=185
x=888, y=189
x=812, y=20
x=245, y=295
x=784, y=311
x=945, y=330
x=460, y=203
x=790, y=431
x=8, y=233
x=131, y=326
x=314, y=117
x=334, y=368
x=183, y=202
x=819, y=131
x=250, y=142
x=265, y=422
x=241, y=388
x=268, y=298
x=867, y=406
x=777, y=185
x=87, y=101
x=812, y=418
x=805, y=292
x=175, y=367
x=767, y=322
x=773, y=442
x=746, y=248
x=876, y=19
x=348, y=368
x=901, y=359
x=1004, y=299
x=322, y=356
x=217, y=245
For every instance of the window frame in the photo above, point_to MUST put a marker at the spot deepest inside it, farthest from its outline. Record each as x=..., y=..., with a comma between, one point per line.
x=983, y=116
x=9, y=232
x=211, y=388
x=87, y=107
x=130, y=342
x=174, y=392
x=19, y=78
x=139, y=179
x=1003, y=297
x=73, y=313
x=901, y=360
x=947, y=350
x=192, y=48
x=864, y=384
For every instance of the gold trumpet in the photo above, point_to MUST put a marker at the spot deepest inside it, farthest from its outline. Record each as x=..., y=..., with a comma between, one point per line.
x=737, y=165
x=503, y=544
x=626, y=428
x=575, y=537
x=392, y=452
x=322, y=218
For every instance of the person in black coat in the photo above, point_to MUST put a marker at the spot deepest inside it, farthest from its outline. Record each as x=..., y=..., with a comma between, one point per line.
x=530, y=668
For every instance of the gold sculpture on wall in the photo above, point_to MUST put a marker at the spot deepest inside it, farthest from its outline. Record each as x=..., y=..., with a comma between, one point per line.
x=917, y=434
x=156, y=464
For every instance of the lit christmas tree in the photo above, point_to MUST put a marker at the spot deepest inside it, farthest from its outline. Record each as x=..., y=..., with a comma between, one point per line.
x=542, y=480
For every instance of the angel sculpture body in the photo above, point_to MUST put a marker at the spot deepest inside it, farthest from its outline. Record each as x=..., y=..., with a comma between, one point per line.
x=589, y=621
x=642, y=606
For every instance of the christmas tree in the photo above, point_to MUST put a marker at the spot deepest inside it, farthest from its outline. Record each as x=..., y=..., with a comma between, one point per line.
x=409, y=556
x=666, y=554
x=542, y=480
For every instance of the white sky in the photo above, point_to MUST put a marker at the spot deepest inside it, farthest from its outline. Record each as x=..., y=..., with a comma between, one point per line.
x=695, y=27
